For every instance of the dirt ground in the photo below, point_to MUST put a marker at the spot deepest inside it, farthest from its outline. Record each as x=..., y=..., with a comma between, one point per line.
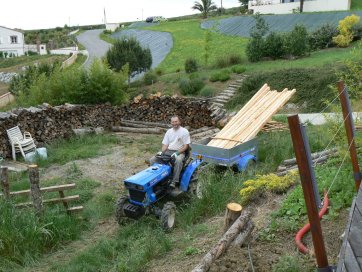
x=112, y=168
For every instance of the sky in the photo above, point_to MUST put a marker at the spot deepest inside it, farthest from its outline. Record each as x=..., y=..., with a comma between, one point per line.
x=42, y=14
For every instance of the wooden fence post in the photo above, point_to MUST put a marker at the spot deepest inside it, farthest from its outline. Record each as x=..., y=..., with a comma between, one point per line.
x=5, y=182
x=35, y=189
x=348, y=123
x=302, y=154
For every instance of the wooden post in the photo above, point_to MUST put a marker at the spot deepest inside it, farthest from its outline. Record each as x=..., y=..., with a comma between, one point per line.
x=233, y=211
x=306, y=171
x=35, y=189
x=61, y=194
x=5, y=182
x=348, y=123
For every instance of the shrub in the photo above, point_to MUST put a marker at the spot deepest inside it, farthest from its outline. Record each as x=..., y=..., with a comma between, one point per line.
x=150, y=78
x=207, y=91
x=226, y=61
x=312, y=86
x=296, y=42
x=159, y=71
x=273, y=46
x=254, y=49
x=191, y=86
x=222, y=76
x=97, y=85
x=322, y=37
x=345, y=28
x=191, y=65
x=238, y=69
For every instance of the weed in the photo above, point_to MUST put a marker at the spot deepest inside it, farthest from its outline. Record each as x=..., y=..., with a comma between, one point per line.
x=222, y=76
x=192, y=251
x=288, y=264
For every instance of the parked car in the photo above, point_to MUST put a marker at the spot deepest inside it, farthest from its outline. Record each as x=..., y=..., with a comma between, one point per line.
x=155, y=19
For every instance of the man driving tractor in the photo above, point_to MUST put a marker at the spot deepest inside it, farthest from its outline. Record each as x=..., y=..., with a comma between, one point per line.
x=175, y=143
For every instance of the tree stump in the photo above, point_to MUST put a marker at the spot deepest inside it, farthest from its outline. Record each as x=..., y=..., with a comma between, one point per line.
x=35, y=189
x=233, y=211
x=5, y=182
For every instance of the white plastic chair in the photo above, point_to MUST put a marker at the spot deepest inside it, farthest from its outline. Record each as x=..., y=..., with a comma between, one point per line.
x=19, y=142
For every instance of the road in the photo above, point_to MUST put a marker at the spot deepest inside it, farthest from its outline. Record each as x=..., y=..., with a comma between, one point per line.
x=96, y=47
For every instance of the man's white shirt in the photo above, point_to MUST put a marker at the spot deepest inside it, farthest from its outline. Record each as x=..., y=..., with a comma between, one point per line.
x=176, y=139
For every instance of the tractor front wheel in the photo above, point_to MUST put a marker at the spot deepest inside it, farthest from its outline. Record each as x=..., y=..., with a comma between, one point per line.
x=120, y=215
x=168, y=215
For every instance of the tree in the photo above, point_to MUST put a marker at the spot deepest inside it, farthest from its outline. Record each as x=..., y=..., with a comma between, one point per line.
x=129, y=51
x=205, y=6
x=244, y=2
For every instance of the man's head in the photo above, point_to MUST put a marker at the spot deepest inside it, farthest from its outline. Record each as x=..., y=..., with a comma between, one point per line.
x=175, y=122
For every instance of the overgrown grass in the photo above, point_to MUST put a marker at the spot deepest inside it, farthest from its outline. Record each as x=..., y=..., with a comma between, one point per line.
x=65, y=150
x=129, y=250
x=356, y=5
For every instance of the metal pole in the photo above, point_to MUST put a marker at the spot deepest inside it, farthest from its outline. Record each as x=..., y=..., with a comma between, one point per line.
x=306, y=173
x=348, y=123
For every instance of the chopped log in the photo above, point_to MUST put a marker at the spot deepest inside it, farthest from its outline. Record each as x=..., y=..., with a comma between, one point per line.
x=314, y=156
x=244, y=234
x=35, y=189
x=5, y=182
x=200, y=130
x=223, y=243
x=88, y=131
x=139, y=130
x=233, y=211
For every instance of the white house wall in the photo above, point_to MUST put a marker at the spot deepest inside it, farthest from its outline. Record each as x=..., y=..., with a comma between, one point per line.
x=275, y=7
x=5, y=41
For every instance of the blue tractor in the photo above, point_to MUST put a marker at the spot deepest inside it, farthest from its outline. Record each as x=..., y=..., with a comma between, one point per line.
x=147, y=187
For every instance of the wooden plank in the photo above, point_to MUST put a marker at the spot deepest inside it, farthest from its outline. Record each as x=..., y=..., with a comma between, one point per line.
x=45, y=189
x=52, y=200
x=243, y=116
x=75, y=209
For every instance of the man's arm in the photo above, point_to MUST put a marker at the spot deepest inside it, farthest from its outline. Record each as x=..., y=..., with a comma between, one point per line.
x=183, y=149
x=164, y=147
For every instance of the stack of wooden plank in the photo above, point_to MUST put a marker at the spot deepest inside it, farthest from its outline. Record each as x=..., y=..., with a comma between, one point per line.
x=246, y=124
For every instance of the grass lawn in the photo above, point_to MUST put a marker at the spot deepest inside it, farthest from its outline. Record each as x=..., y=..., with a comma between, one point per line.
x=356, y=5
x=16, y=62
x=189, y=42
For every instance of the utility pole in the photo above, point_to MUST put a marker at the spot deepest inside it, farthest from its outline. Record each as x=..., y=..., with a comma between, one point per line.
x=301, y=6
x=348, y=123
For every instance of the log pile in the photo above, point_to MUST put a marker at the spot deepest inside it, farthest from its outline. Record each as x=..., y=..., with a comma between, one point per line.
x=194, y=113
x=246, y=124
x=272, y=126
x=46, y=123
x=204, y=132
x=317, y=158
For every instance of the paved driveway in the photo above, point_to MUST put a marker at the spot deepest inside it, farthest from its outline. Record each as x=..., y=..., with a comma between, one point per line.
x=96, y=47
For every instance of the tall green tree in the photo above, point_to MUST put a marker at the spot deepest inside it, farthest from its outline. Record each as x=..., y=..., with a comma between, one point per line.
x=129, y=51
x=204, y=6
x=244, y=3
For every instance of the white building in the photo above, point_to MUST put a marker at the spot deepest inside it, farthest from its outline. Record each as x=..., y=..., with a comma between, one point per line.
x=11, y=41
x=290, y=6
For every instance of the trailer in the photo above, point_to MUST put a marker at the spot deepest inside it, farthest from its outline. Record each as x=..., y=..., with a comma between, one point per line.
x=239, y=157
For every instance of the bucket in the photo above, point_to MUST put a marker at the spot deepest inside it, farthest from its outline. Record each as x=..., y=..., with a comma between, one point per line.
x=40, y=152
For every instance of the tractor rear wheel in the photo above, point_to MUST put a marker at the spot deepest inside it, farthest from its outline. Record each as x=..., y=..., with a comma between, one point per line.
x=120, y=215
x=168, y=215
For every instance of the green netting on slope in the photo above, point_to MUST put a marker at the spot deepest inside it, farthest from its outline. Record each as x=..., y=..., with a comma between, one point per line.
x=241, y=25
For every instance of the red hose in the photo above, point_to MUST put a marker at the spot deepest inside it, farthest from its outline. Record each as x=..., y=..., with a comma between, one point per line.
x=298, y=238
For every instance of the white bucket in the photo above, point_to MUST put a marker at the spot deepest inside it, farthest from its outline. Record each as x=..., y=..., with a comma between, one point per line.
x=40, y=152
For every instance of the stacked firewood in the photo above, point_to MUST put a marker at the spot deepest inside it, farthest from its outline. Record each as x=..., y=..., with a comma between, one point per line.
x=194, y=113
x=46, y=123
x=317, y=158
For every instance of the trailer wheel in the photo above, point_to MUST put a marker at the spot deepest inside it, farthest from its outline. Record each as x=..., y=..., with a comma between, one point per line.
x=250, y=168
x=168, y=215
x=120, y=215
